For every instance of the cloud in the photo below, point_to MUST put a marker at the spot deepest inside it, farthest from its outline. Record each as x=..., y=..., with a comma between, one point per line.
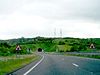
x=29, y=18
x=77, y=28
x=64, y=9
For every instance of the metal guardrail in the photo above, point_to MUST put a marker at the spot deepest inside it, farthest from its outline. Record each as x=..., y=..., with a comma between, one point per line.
x=83, y=53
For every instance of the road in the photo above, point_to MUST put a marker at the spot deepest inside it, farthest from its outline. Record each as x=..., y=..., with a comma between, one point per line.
x=61, y=65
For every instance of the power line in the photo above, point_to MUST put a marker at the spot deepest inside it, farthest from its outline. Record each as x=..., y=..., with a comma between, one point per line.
x=54, y=32
x=60, y=32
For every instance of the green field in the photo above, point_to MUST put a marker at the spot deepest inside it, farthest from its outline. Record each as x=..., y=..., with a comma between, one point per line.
x=11, y=63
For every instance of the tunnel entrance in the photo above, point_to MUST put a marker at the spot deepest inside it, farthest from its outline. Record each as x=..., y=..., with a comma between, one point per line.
x=39, y=49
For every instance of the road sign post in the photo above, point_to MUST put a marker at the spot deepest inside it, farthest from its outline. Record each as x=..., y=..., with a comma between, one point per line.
x=18, y=49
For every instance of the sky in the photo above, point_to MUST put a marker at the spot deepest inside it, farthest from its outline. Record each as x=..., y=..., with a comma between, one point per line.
x=49, y=18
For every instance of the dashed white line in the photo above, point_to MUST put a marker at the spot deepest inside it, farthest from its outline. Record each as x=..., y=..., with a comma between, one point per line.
x=91, y=73
x=34, y=66
x=75, y=65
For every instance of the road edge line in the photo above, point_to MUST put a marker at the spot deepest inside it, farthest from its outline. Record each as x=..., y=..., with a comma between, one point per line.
x=34, y=66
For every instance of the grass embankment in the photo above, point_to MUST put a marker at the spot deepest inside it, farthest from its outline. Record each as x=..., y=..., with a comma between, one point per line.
x=12, y=63
x=85, y=55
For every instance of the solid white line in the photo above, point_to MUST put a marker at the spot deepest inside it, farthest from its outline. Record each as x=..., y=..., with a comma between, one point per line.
x=34, y=66
x=75, y=65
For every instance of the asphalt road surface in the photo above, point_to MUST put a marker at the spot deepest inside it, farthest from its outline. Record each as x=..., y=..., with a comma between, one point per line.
x=61, y=65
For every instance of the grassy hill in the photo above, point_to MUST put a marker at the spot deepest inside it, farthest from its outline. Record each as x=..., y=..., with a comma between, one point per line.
x=7, y=47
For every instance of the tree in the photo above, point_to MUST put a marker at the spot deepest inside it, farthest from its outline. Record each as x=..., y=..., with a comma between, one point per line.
x=61, y=43
x=74, y=48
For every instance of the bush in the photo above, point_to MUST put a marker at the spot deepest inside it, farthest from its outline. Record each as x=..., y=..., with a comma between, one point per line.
x=74, y=48
x=82, y=47
x=61, y=43
x=5, y=45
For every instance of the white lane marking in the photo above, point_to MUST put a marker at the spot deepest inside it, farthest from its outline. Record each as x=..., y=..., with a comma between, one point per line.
x=34, y=66
x=75, y=65
x=83, y=69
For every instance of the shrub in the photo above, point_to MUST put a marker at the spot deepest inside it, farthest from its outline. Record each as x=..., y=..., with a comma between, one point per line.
x=61, y=43
x=74, y=48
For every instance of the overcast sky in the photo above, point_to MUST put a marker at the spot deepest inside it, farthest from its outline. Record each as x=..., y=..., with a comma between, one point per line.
x=31, y=18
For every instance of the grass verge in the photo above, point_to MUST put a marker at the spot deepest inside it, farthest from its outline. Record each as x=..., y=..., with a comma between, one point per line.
x=12, y=64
